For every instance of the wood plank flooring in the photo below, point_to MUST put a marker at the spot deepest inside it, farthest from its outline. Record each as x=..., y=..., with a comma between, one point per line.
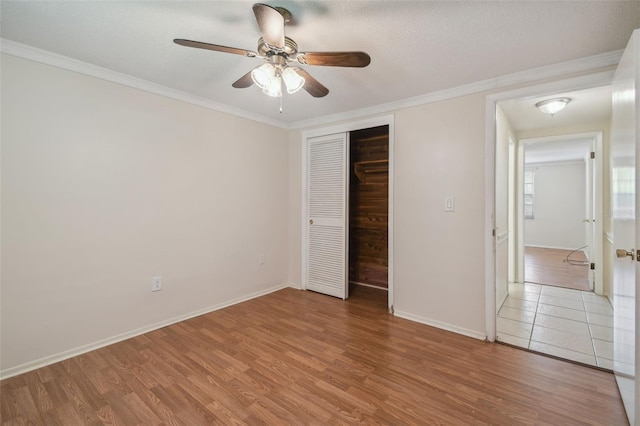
x=547, y=266
x=296, y=357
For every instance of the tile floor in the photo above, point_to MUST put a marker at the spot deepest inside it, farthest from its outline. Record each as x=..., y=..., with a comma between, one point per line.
x=571, y=324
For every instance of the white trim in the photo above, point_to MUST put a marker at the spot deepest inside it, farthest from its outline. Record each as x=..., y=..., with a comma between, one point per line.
x=441, y=325
x=504, y=298
x=553, y=163
x=489, y=219
x=552, y=247
x=519, y=197
x=368, y=285
x=536, y=74
x=571, y=84
x=609, y=237
x=66, y=63
x=502, y=237
x=51, y=359
x=384, y=120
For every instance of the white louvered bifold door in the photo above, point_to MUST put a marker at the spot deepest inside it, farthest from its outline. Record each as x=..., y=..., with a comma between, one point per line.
x=326, y=210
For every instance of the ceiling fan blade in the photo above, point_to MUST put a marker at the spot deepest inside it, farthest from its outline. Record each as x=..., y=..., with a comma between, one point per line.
x=311, y=85
x=271, y=24
x=244, y=81
x=335, y=59
x=216, y=47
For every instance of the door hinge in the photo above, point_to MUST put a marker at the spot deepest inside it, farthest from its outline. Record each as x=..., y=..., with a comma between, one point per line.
x=593, y=266
x=493, y=232
x=593, y=154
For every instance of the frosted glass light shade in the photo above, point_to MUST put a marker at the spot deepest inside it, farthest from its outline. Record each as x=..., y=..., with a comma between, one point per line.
x=263, y=75
x=292, y=80
x=275, y=88
x=552, y=106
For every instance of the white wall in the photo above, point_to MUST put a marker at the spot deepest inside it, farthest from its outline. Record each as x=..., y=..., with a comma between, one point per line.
x=104, y=187
x=559, y=206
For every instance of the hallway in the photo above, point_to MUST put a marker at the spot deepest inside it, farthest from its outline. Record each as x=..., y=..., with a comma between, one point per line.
x=571, y=324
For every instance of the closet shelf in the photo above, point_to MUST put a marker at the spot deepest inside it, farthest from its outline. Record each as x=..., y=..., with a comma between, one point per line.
x=363, y=168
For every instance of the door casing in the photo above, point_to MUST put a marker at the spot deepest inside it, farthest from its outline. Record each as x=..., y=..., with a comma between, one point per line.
x=594, y=186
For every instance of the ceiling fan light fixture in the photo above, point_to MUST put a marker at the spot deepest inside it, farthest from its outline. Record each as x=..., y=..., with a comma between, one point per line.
x=274, y=89
x=292, y=80
x=263, y=75
x=552, y=106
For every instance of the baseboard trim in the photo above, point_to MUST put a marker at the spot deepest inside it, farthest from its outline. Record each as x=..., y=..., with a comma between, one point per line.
x=52, y=359
x=441, y=325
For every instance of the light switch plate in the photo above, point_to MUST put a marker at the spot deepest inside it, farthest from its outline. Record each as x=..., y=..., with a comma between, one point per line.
x=449, y=204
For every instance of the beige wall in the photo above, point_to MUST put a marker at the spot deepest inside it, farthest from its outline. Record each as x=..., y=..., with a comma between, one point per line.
x=105, y=187
x=439, y=256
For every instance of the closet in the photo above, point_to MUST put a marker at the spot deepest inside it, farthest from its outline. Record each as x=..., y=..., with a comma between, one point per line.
x=369, y=207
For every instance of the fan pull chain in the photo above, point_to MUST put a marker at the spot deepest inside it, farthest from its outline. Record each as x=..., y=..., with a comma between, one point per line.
x=280, y=104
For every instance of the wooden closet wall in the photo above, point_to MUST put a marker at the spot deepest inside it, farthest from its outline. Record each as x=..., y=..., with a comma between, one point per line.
x=369, y=206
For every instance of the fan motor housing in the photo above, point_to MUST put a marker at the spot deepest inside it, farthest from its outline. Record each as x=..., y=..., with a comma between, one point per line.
x=290, y=48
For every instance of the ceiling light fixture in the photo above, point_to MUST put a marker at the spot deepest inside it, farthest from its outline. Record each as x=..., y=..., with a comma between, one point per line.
x=269, y=78
x=552, y=106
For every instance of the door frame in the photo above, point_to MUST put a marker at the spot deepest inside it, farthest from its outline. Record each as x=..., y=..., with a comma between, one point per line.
x=595, y=204
x=571, y=84
x=385, y=120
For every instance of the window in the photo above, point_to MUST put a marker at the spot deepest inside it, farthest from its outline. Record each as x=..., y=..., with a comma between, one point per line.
x=622, y=197
x=528, y=194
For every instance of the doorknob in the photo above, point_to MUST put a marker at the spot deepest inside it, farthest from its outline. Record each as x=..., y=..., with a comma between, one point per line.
x=624, y=253
x=311, y=222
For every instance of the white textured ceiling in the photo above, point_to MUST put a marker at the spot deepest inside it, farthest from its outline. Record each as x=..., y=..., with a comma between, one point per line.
x=417, y=47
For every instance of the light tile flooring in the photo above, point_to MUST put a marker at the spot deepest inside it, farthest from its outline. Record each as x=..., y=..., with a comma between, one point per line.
x=571, y=324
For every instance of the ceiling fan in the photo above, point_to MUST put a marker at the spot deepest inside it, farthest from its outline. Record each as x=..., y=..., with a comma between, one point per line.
x=278, y=53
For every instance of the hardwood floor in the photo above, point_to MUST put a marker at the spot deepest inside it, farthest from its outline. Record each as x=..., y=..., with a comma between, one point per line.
x=296, y=357
x=547, y=266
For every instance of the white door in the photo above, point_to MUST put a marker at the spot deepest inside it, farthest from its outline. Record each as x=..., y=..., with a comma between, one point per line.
x=327, y=159
x=626, y=229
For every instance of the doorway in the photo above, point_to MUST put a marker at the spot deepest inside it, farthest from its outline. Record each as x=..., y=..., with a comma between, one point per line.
x=553, y=213
x=369, y=213
x=558, y=217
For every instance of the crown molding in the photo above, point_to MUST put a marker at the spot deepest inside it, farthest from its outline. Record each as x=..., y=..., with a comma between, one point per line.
x=64, y=62
x=550, y=71
x=523, y=77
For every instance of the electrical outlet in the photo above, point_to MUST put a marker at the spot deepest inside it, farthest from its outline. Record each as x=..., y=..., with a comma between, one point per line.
x=261, y=259
x=156, y=283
